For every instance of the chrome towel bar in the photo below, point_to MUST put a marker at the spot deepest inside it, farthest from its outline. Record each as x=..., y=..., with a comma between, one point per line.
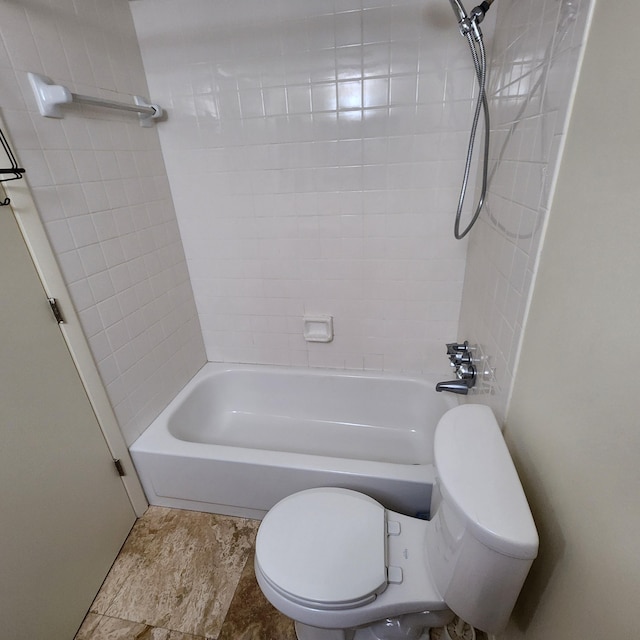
x=50, y=97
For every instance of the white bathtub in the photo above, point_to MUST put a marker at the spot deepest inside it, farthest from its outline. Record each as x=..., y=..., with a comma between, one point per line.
x=238, y=438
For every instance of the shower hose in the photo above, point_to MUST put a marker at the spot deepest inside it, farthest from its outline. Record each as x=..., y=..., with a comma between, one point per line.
x=480, y=65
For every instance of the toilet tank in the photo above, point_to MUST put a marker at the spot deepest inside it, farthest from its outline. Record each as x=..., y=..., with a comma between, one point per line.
x=482, y=539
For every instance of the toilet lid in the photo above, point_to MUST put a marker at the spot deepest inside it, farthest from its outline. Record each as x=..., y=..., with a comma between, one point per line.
x=324, y=548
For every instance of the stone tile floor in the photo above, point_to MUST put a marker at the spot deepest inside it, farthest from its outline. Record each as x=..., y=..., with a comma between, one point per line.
x=186, y=575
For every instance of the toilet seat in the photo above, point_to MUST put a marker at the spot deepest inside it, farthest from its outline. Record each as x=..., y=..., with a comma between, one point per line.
x=324, y=548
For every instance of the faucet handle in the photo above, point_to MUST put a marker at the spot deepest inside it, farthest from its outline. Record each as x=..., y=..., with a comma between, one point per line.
x=466, y=372
x=460, y=358
x=454, y=348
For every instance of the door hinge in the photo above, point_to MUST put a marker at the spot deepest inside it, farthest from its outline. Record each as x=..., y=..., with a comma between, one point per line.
x=119, y=467
x=53, y=303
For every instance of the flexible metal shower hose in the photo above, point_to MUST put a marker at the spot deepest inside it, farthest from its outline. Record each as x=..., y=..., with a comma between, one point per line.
x=480, y=64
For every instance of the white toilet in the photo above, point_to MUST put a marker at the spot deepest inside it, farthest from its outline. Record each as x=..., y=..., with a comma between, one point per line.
x=345, y=568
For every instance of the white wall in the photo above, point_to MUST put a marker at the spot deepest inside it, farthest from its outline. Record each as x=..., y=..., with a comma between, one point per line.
x=100, y=185
x=536, y=50
x=573, y=421
x=315, y=152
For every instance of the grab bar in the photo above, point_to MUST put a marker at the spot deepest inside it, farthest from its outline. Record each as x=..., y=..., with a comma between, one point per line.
x=50, y=96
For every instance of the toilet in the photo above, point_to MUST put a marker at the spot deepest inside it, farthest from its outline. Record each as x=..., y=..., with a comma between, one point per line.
x=345, y=568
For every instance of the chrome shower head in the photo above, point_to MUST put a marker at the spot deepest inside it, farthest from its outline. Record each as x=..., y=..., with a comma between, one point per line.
x=458, y=9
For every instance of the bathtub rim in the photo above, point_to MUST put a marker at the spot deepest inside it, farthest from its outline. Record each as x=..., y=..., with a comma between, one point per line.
x=157, y=452
x=158, y=439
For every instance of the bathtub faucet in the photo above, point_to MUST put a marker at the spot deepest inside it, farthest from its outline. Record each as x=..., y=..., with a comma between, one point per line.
x=460, y=358
x=454, y=386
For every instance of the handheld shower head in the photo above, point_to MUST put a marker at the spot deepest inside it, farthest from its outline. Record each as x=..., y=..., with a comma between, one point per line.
x=458, y=9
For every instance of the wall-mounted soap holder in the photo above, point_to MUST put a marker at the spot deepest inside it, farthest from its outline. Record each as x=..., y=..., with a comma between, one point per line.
x=318, y=328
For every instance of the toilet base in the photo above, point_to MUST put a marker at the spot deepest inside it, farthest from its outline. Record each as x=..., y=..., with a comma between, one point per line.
x=306, y=632
x=413, y=626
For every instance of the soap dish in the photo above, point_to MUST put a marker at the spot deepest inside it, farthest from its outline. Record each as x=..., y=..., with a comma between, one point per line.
x=318, y=328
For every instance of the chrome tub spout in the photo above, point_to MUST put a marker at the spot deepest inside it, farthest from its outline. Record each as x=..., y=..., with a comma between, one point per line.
x=454, y=386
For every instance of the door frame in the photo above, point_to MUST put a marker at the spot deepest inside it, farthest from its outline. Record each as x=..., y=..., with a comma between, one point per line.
x=34, y=234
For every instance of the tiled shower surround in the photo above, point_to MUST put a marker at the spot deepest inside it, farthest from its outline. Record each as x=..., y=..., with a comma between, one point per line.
x=314, y=151
x=101, y=188
x=535, y=57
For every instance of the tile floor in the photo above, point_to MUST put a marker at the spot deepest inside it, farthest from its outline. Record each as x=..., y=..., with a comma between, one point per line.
x=186, y=575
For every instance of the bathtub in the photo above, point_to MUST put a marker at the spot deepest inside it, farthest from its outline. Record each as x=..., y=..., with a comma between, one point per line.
x=238, y=438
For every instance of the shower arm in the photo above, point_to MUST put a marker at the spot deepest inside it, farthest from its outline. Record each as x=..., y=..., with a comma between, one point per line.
x=478, y=13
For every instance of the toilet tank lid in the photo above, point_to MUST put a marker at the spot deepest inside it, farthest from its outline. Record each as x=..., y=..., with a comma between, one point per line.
x=478, y=478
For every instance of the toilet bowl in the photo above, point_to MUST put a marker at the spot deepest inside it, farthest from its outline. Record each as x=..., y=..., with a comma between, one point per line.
x=345, y=568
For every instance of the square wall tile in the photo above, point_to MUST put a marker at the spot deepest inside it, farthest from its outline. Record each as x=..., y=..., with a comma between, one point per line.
x=317, y=151
x=90, y=174
x=529, y=103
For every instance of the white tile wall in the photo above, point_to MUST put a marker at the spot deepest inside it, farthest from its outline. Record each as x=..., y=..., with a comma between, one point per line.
x=100, y=184
x=314, y=152
x=536, y=50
